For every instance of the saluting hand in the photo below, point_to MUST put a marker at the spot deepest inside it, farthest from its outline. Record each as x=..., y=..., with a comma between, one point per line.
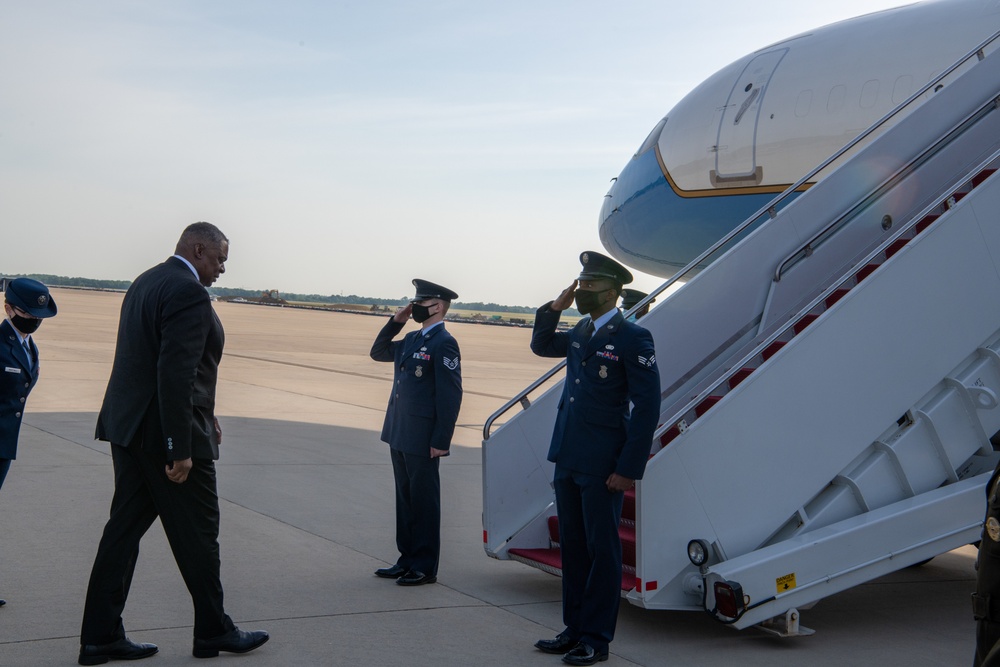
x=565, y=299
x=403, y=314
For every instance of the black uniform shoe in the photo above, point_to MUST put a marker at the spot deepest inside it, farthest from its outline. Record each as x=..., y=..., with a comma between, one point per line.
x=584, y=654
x=394, y=572
x=2, y=602
x=123, y=649
x=561, y=644
x=416, y=578
x=234, y=641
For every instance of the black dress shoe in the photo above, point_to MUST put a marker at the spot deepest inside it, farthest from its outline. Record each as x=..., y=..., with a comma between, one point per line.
x=394, y=572
x=561, y=644
x=416, y=578
x=584, y=654
x=234, y=641
x=123, y=649
x=2, y=602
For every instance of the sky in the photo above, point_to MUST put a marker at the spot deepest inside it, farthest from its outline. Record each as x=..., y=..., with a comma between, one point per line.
x=346, y=147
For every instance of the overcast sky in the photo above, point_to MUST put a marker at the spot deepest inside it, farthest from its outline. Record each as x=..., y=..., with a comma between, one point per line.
x=346, y=147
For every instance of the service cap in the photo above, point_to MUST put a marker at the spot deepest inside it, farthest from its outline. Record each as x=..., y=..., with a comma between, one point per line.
x=30, y=296
x=597, y=266
x=428, y=290
x=631, y=297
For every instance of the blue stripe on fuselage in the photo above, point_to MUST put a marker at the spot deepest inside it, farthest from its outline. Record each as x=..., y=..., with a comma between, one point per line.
x=648, y=226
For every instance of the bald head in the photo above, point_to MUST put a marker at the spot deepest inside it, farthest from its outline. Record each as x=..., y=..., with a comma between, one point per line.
x=207, y=248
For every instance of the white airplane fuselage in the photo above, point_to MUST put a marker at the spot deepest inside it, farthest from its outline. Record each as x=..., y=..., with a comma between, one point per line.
x=762, y=123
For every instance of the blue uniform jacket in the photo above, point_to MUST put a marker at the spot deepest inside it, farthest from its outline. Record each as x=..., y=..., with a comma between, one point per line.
x=15, y=385
x=595, y=432
x=426, y=388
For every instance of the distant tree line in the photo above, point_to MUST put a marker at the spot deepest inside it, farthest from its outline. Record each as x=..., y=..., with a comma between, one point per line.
x=288, y=296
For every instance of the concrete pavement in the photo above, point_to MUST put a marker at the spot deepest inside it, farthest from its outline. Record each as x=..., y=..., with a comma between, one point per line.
x=306, y=490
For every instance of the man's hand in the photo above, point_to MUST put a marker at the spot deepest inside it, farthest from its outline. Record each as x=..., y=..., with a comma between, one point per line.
x=403, y=314
x=565, y=299
x=218, y=431
x=177, y=471
x=616, y=483
x=435, y=453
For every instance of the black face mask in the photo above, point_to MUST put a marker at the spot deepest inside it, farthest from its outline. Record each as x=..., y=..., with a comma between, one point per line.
x=420, y=313
x=26, y=325
x=587, y=302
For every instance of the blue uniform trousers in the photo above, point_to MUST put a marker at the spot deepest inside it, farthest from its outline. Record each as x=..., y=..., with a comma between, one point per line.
x=418, y=511
x=591, y=555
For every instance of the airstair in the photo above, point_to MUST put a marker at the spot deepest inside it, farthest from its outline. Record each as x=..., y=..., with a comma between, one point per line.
x=830, y=381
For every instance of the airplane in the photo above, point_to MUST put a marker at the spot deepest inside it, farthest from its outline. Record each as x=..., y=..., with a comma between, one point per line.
x=758, y=125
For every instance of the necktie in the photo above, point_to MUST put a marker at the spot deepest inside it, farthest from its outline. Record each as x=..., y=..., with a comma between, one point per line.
x=27, y=352
x=590, y=329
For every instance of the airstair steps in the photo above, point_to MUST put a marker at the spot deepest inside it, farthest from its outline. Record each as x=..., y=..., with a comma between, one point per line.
x=550, y=559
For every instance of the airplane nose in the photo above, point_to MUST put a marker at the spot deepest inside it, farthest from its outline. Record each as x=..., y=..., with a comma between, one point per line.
x=649, y=224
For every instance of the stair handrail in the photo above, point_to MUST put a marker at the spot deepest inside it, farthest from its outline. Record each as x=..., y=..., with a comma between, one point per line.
x=771, y=209
x=834, y=285
x=807, y=247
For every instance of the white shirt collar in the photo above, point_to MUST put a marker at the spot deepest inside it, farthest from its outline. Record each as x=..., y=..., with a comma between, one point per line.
x=190, y=266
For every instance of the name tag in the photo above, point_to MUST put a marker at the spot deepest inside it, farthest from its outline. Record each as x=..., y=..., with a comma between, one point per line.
x=12, y=370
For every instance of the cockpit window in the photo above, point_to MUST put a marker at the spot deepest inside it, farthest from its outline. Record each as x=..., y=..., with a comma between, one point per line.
x=653, y=137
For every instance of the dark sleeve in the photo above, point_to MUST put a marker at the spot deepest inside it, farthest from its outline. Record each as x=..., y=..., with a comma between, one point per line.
x=644, y=391
x=545, y=341
x=185, y=323
x=383, y=349
x=447, y=392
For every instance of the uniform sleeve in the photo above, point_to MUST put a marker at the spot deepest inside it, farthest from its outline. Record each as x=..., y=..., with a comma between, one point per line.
x=545, y=341
x=644, y=392
x=448, y=394
x=186, y=321
x=384, y=349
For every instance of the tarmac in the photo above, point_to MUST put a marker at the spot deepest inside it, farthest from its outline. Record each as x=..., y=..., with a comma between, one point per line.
x=306, y=495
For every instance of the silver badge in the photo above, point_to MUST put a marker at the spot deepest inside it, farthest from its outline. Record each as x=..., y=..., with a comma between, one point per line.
x=42, y=299
x=603, y=372
x=584, y=258
x=993, y=529
x=609, y=347
x=419, y=372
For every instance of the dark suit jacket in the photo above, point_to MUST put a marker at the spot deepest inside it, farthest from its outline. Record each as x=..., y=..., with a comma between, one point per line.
x=426, y=388
x=16, y=383
x=166, y=365
x=595, y=432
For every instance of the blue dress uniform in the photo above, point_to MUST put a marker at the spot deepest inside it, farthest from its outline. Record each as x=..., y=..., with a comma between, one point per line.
x=421, y=415
x=20, y=365
x=596, y=434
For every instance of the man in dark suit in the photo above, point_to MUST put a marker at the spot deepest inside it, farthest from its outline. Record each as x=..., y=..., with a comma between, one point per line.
x=27, y=302
x=599, y=446
x=419, y=423
x=159, y=415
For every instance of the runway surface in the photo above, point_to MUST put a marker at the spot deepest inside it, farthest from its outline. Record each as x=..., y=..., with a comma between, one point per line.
x=307, y=516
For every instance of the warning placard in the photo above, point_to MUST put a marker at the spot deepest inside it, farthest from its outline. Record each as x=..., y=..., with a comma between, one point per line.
x=785, y=583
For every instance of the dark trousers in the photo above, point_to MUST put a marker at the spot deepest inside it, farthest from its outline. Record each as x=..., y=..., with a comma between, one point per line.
x=4, y=467
x=986, y=601
x=591, y=555
x=418, y=511
x=189, y=513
